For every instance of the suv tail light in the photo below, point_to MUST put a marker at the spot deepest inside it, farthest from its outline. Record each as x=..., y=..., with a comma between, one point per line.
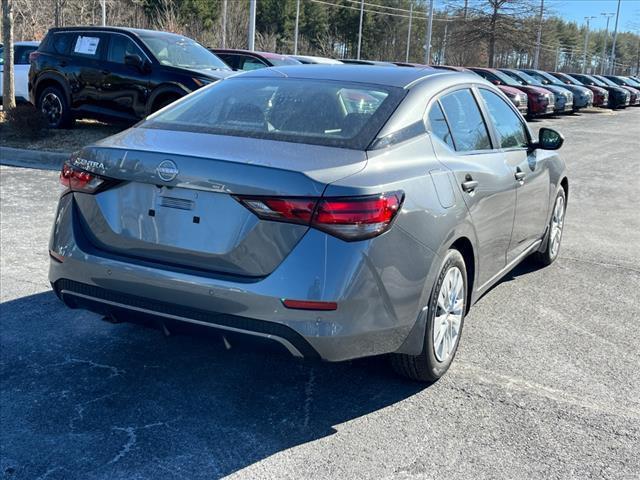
x=348, y=218
x=78, y=180
x=33, y=56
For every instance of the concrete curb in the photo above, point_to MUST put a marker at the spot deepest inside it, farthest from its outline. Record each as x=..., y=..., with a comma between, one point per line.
x=18, y=157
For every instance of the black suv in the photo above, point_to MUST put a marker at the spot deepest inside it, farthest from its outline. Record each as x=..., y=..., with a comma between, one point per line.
x=115, y=74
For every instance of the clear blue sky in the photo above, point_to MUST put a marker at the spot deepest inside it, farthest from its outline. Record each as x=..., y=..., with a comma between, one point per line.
x=576, y=10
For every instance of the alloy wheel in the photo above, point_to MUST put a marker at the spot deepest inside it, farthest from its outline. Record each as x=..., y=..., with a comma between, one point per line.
x=52, y=108
x=557, y=223
x=448, y=316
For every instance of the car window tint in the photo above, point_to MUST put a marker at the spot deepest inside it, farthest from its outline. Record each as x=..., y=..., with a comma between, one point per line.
x=250, y=63
x=62, y=42
x=438, y=125
x=21, y=54
x=87, y=45
x=297, y=110
x=121, y=46
x=509, y=126
x=467, y=126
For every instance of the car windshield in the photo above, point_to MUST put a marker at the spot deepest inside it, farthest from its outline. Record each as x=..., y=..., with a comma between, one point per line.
x=545, y=78
x=178, y=51
x=296, y=110
x=280, y=61
x=606, y=81
x=506, y=79
x=631, y=81
x=567, y=78
x=528, y=79
x=596, y=81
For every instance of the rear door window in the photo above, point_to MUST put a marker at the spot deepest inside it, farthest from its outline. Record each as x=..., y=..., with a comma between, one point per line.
x=89, y=45
x=438, y=125
x=465, y=121
x=247, y=63
x=511, y=131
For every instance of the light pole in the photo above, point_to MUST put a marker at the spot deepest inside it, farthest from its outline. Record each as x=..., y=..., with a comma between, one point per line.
x=409, y=32
x=539, y=40
x=615, y=37
x=427, y=42
x=295, y=38
x=604, y=41
x=586, y=45
x=444, y=43
x=224, y=23
x=104, y=13
x=252, y=25
x=360, y=28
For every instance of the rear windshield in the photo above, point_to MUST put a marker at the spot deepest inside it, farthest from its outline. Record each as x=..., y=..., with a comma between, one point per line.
x=319, y=112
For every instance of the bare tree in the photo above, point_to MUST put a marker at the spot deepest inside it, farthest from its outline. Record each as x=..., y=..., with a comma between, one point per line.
x=8, y=89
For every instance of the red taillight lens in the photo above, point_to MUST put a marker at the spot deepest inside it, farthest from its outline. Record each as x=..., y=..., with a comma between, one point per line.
x=309, y=305
x=349, y=218
x=33, y=55
x=79, y=180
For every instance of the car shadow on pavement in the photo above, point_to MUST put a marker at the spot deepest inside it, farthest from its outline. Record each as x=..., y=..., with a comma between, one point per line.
x=82, y=398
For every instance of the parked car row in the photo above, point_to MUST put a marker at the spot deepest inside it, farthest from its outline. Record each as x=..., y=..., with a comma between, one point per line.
x=124, y=74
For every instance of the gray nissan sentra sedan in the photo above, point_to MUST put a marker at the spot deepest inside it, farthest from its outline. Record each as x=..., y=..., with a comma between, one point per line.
x=342, y=211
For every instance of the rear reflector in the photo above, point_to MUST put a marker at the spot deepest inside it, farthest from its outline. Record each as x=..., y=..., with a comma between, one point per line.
x=309, y=305
x=349, y=218
x=78, y=180
x=56, y=256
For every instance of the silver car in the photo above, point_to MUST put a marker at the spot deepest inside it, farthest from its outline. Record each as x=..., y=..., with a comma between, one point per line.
x=342, y=211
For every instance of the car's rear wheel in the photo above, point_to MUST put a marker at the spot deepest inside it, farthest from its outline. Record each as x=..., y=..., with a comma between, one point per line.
x=445, y=318
x=163, y=102
x=556, y=227
x=53, y=105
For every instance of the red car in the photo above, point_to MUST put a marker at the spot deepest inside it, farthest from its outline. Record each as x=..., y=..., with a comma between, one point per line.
x=517, y=97
x=541, y=100
x=600, y=95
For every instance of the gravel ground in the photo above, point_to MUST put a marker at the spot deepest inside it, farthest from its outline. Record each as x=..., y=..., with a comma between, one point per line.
x=545, y=384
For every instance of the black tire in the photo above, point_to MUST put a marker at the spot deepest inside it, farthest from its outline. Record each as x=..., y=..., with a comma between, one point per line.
x=53, y=104
x=549, y=255
x=163, y=102
x=426, y=367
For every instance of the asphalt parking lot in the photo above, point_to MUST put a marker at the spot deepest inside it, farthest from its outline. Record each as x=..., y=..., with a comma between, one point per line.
x=545, y=384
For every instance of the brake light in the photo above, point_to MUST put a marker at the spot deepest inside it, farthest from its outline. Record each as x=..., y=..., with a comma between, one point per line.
x=348, y=218
x=78, y=180
x=33, y=56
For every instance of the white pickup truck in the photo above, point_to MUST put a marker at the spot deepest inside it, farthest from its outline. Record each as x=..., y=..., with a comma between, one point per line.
x=21, y=51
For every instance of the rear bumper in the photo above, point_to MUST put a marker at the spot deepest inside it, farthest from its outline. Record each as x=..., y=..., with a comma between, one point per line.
x=378, y=288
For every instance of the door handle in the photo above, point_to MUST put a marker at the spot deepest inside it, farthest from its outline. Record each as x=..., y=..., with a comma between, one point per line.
x=469, y=185
x=520, y=175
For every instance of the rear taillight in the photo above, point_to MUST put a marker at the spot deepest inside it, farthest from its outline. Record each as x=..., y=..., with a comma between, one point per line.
x=349, y=218
x=33, y=56
x=78, y=180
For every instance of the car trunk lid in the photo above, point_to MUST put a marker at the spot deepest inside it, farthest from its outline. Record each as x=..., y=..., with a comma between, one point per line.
x=176, y=203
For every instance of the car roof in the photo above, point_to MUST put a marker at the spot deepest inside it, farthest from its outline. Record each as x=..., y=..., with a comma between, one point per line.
x=379, y=75
x=134, y=31
x=26, y=43
x=313, y=58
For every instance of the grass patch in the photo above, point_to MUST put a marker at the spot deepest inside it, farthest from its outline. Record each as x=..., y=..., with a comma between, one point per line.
x=24, y=127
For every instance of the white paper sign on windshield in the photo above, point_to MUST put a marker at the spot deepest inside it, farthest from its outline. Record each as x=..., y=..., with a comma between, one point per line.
x=87, y=45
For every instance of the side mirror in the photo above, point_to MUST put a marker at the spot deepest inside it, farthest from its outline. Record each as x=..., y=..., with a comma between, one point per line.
x=134, y=61
x=549, y=139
